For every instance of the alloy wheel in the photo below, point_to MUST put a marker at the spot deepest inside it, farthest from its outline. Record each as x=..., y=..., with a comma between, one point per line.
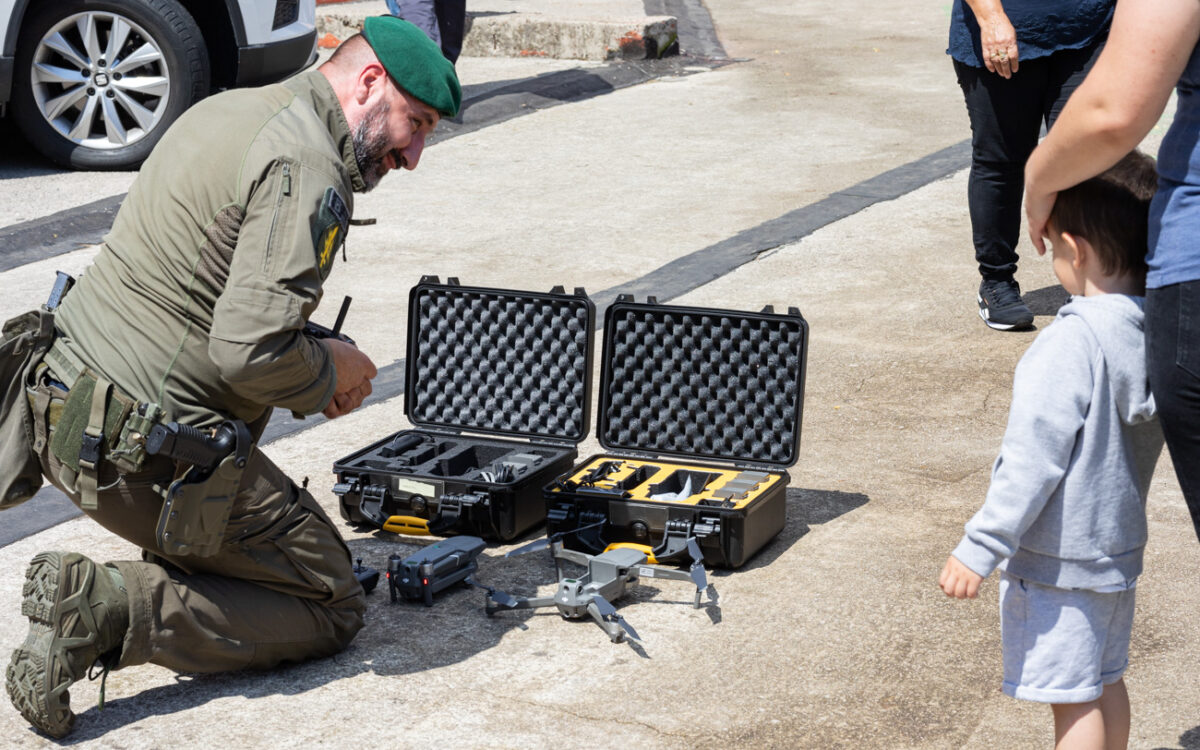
x=100, y=80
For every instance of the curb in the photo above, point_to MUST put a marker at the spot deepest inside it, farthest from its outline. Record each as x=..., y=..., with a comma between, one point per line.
x=525, y=34
x=528, y=34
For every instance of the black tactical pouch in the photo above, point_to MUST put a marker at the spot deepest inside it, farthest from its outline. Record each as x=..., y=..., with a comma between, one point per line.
x=23, y=343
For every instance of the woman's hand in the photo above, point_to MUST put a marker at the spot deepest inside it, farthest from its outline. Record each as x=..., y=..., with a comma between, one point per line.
x=998, y=41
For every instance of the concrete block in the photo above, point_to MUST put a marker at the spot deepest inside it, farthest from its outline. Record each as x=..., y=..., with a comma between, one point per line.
x=525, y=35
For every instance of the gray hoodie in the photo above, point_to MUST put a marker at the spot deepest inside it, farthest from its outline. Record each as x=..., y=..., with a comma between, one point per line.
x=1066, y=506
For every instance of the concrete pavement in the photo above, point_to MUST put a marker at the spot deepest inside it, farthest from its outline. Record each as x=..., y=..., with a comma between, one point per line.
x=835, y=635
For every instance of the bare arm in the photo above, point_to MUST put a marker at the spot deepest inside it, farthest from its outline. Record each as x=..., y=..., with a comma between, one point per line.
x=1117, y=104
x=997, y=38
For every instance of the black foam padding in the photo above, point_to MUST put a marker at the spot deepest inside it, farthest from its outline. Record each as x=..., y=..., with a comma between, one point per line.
x=499, y=361
x=707, y=383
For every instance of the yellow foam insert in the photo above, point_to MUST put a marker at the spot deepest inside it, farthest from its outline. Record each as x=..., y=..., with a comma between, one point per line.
x=664, y=470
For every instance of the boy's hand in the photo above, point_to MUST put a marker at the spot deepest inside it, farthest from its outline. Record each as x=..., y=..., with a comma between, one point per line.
x=958, y=580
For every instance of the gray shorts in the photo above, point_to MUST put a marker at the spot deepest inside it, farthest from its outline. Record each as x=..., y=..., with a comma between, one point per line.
x=1062, y=645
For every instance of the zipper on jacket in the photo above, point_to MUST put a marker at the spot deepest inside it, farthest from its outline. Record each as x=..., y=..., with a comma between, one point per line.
x=285, y=189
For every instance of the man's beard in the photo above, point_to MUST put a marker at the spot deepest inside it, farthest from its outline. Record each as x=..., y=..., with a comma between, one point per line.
x=371, y=145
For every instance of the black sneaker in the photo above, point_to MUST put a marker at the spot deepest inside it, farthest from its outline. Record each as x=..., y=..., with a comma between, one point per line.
x=1001, y=307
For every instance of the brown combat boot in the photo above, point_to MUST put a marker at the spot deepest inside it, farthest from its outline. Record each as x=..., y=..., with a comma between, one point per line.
x=78, y=613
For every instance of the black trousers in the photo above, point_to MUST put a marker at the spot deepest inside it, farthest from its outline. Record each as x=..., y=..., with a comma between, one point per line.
x=1006, y=119
x=1173, y=359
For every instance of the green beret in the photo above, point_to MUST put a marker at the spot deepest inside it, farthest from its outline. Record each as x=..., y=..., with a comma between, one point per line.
x=415, y=63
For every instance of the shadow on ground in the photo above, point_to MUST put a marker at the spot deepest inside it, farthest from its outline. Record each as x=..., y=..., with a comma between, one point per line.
x=407, y=637
x=398, y=638
x=1047, y=300
x=1189, y=740
x=17, y=157
x=804, y=509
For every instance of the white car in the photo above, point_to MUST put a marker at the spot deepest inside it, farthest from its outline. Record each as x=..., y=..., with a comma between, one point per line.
x=93, y=84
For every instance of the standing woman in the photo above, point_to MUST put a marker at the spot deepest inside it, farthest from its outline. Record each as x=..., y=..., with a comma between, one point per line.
x=1152, y=49
x=1017, y=61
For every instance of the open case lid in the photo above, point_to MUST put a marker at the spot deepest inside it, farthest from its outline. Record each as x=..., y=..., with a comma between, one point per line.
x=698, y=382
x=499, y=361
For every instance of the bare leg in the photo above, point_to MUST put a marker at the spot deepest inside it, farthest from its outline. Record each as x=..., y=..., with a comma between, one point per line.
x=1114, y=704
x=1078, y=726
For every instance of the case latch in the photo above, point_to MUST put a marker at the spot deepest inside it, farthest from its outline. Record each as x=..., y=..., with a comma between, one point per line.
x=678, y=531
x=452, y=506
x=707, y=527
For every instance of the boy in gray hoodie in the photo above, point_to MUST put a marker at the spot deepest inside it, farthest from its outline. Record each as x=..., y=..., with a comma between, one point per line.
x=1064, y=517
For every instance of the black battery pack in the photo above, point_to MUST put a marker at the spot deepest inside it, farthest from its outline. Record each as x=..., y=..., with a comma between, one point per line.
x=700, y=411
x=497, y=386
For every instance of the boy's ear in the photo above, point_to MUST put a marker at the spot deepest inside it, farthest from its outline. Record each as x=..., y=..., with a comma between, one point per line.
x=1080, y=248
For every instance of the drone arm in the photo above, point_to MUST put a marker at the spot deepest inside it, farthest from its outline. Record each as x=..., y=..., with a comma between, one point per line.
x=670, y=573
x=579, y=558
x=612, y=629
x=676, y=575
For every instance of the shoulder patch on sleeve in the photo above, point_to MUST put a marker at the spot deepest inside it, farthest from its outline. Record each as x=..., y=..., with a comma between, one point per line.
x=329, y=229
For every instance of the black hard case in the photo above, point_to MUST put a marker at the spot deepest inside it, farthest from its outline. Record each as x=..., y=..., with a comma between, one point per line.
x=696, y=388
x=501, y=362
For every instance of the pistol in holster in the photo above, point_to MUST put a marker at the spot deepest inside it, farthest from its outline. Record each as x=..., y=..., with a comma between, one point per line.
x=197, y=505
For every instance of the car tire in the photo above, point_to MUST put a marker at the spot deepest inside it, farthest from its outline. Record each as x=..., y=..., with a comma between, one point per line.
x=85, y=111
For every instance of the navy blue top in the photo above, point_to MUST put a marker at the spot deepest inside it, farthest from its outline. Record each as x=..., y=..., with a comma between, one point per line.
x=1175, y=210
x=1043, y=27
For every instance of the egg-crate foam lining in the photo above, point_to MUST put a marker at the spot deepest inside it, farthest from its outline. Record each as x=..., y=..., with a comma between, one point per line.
x=506, y=362
x=699, y=382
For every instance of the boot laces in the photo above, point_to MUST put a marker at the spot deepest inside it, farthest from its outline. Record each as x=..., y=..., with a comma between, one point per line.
x=105, y=663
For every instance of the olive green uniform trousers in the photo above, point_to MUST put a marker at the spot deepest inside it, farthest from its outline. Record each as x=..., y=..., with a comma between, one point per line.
x=280, y=589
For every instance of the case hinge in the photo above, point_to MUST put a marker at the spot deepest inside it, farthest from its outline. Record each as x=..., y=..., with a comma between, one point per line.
x=752, y=466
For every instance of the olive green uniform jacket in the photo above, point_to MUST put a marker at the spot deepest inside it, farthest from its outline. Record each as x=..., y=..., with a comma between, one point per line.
x=196, y=302
x=199, y=295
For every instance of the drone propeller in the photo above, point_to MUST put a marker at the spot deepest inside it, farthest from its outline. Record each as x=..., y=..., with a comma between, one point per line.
x=500, y=597
x=538, y=544
x=699, y=576
x=609, y=613
x=533, y=546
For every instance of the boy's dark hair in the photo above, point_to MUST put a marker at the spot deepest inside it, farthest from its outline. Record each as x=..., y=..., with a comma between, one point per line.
x=1111, y=211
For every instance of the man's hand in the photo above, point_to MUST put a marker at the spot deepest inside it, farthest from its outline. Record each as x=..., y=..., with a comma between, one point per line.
x=959, y=581
x=354, y=372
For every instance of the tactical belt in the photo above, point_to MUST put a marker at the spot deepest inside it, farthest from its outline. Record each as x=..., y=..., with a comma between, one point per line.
x=97, y=421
